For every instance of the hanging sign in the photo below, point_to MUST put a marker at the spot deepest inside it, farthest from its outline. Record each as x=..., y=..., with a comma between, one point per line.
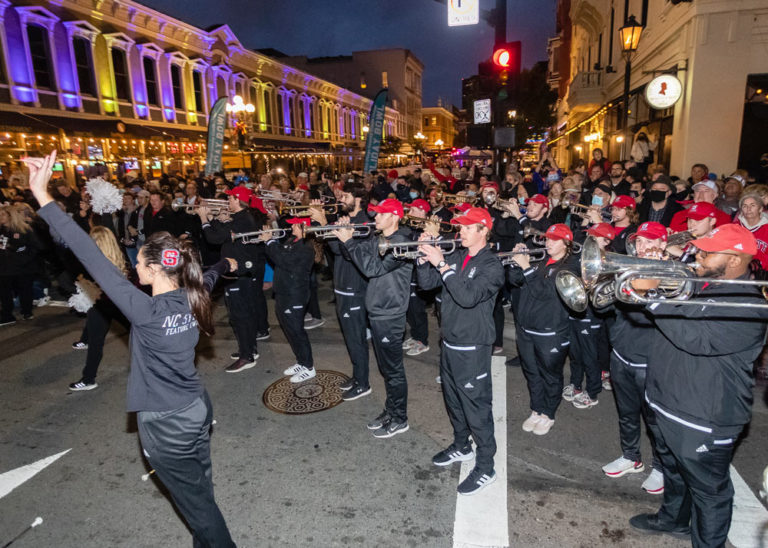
x=463, y=12
x=663, y=91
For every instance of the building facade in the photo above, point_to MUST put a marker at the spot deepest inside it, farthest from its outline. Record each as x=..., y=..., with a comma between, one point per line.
x=113, y=81
x=438, y=126
x=716, y=48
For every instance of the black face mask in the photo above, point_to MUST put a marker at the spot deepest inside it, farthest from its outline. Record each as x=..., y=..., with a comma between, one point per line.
x=657, y=195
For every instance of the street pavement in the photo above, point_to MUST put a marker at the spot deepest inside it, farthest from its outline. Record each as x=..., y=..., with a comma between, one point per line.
x=311, y=480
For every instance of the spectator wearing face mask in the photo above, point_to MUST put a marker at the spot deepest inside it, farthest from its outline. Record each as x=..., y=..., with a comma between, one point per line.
x=658, y=204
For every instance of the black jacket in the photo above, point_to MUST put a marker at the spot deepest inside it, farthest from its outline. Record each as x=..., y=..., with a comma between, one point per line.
x=506, y=232
x=631, y=332
x=468, y=296
x=18, y=252
x=347, y=277
x=670, y=209
x=389, y=279
x=701, y=358
x=619, y=243
x=293, y=262
x=249, y=257
x=163, y=220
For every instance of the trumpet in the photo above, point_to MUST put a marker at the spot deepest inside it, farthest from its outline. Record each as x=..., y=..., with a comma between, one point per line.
x=253, y=237
x=409, y=250
x=535, y=255
x=215, y=206
x=277, y=196
x=419, y=222
x=680, y=238
x=539, y=238
x=303, y=210
x=455, y=199
x=581, y=210
x=325, y=232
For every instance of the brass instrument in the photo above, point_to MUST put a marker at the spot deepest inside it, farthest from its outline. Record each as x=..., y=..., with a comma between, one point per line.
x=277, y=196
x=215, y=206
x=325, y=232
x=419, y=222
x=303, y=210
x=455, y=199
x=581, y=210
x=540, y=237
x=253, y=237
x=500, y=203
x=680, y=238
x=534, y=255
x=409, y=250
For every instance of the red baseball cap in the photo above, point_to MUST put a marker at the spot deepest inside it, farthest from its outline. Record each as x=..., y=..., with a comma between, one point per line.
x=624, y=201
x=701, y=210
x=539, y=199
x=256, y=203
x=559, y=231
x=490, y=184
x=390, y=205
x=241, y=193
x=299, y=221
x=421, y=204
x=474, y=216
x=392, y=174
x=652, y=231
x=602, y=230
x=728, y=237
x=461, y=208
x=304, y=187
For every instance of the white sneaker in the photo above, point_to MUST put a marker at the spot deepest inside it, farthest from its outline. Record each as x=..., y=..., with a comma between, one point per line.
x=292, y=370
x=583, y=401
x=409, y=342
x=417, y=348
x=303, y=375
x=531, y=421
x=543, y=426
x=621, y=467
x=654, y=483
x=570, y=392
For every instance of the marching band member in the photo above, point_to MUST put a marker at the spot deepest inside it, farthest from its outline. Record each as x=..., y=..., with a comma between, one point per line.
x=624, y=221
x=470, y=280
x=701, y=218
x=386, y=301
x=293, y=262
x=699, y=384
x=416, y=317
x=541, y=322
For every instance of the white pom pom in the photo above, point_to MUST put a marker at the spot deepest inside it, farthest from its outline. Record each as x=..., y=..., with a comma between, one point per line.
x=105, y=197
x=87, y=295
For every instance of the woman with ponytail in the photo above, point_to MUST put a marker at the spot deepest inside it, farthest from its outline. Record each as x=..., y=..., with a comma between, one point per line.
x=174, y=413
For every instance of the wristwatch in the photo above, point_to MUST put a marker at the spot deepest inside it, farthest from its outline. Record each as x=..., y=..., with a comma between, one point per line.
x=441, y=264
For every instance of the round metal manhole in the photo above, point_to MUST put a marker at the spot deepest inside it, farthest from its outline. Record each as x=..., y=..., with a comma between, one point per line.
x=317, y=394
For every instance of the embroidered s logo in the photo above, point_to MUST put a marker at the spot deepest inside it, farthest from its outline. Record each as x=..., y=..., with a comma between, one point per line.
x=170, y=258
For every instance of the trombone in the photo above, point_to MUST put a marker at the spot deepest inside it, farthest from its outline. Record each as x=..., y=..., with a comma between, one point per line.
x=216, y=207
x=409, y=250
x=325, y=232
x=253, y=237
x=535, y=255
x=419, y=222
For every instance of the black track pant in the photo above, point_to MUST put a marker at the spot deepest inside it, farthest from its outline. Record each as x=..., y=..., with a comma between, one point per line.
x=97, y=323
x=417, y=316
x=542, y=357
x=22, y=285
x=697, y=481
x=290, y=313
x=353, y=320
x=238, y=297
x=259, y=302
x=314, y=303
x=465, y=372
x=387, y=337
x=498, y=320
x=583, y=353
x=628, y=382
x=177, y=445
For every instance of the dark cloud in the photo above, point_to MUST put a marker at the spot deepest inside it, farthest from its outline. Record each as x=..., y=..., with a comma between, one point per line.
x=332, y=27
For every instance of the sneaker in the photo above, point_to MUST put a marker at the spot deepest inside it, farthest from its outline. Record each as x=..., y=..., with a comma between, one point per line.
x=409, y=342
x=292, y=370
x=234, y=356
x=79, y=345
x=262, y=336
x=543, y=426
x=379, y=421
x=80, y=386
x=622, y=466
x=390, y=429
x=654, y=483
x=348, y=385
x=606, y=378
x=476, y=481
x=417, y=348
x=307, y=317
x=7, y=322
x=43, y=301
x=29, y=316
x=497, y=350
x=583, y=401
x=304, y=375
x=356, y=392
x=649, y=524
x=313, y=323
x=570, y=392
x=241, y=365
x=530, y=422
x=453, y=454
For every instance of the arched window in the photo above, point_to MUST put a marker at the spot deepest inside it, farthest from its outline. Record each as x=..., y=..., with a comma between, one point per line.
x=150, y=78
x=81, y=48
x=40, y=53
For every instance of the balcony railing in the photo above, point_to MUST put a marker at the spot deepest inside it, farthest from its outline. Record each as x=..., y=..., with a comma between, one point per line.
x=586, y=89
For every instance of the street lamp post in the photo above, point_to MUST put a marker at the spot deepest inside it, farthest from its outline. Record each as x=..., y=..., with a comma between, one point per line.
x=420, y=138
x=241, y=112
x=630, y=39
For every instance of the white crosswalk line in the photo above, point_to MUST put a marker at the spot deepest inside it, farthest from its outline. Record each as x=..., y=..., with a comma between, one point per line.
x=749, y=522
x=13, y=478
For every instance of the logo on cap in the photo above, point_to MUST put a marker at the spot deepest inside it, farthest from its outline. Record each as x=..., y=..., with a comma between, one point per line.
x=170, y=258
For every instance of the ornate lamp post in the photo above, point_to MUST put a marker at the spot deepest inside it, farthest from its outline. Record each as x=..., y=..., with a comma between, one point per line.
x=241, y=113
x=630, y=35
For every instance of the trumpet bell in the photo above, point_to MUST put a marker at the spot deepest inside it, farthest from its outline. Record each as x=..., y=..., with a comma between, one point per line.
x=571, y=290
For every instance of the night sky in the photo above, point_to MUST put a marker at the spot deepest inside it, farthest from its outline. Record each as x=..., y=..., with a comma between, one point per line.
x=339, y=27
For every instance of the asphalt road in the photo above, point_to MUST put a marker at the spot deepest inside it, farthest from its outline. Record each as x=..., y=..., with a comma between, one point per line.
x=311, y=480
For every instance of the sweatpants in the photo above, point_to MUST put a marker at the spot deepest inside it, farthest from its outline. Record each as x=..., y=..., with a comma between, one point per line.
x=290, y=313
x=583, y=354
x=465, y=372
x=314, y=303
x=177, y=445
x=697, y=481
x=22, y=285
x=542, y=356
x=97, y=323
x=416, y=316
x=353, y=320
x=387, y=338
x=628, y=382
x=238, y=297
x=259, y=301
x=498, y=320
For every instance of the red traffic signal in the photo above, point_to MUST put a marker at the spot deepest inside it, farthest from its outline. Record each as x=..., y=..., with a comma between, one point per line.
x=507, y=56
x=502, y=57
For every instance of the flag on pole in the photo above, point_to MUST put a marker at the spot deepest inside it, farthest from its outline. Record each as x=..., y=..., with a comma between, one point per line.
x=217, y=122
x=375, y=131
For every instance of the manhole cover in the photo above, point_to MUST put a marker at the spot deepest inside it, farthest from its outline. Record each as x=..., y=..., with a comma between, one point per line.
x=310, y=396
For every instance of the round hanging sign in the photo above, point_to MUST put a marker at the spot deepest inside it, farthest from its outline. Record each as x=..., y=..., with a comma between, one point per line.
x=663, y=91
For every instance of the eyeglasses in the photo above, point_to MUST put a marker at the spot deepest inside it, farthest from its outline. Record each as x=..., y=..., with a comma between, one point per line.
x=705, y=254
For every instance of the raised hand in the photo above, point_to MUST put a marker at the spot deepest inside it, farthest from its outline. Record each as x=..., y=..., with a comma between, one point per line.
x=40, y=170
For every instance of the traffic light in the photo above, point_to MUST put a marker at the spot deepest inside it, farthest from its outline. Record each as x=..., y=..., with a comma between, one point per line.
x=507, y=57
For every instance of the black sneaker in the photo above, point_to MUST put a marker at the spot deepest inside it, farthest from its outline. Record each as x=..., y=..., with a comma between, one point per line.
x=234, y=356
x=241, y=365
x=379, y=421
x=453, y=454
x=650, y=525
x=348, y=385
x=356, y=392
x=390, y=429
x=476, y=481
x=263, y=336
x=81, y=385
